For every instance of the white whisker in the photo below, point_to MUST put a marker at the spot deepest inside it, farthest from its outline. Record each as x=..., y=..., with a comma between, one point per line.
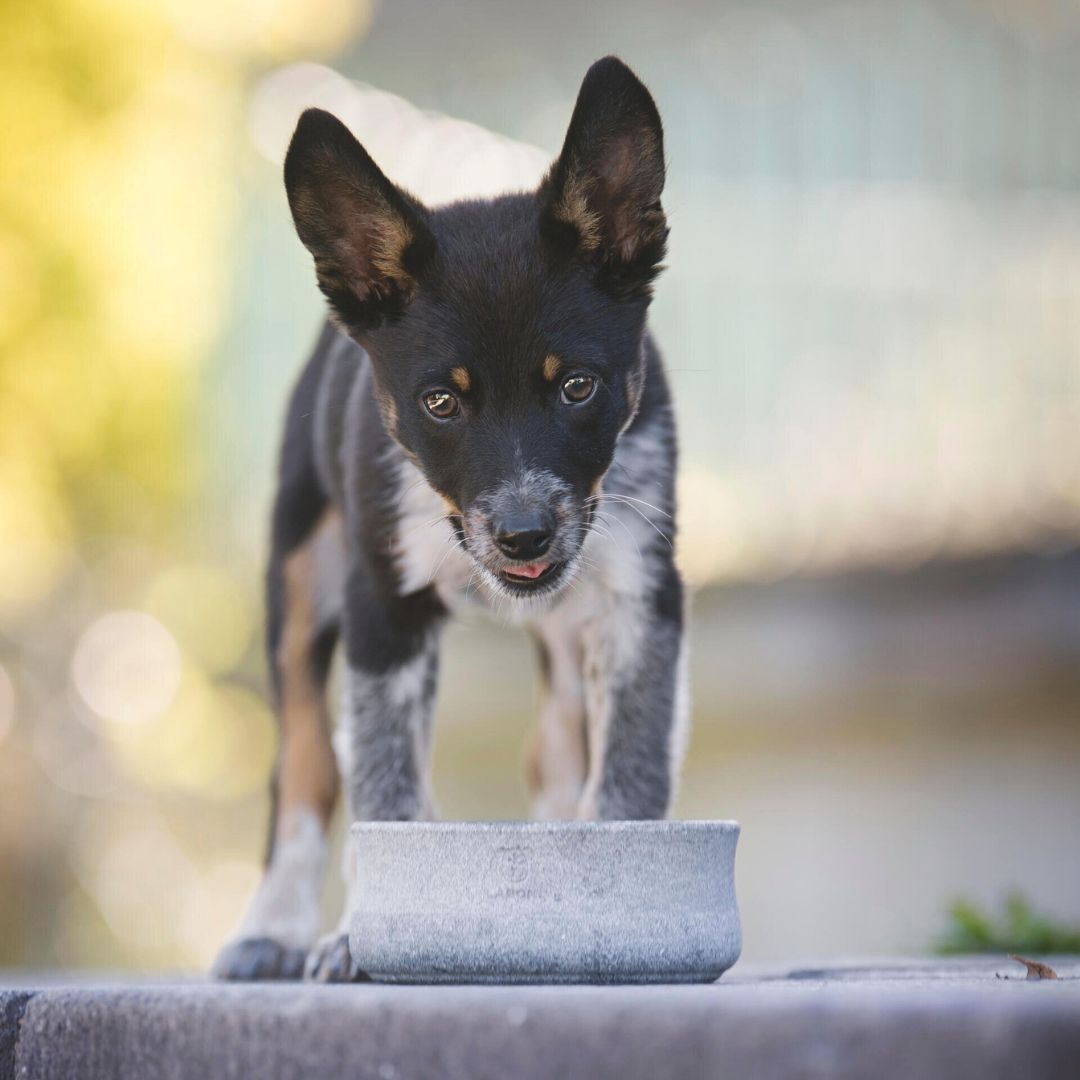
x=652, y=525
x=629, y=532
x=423, y=525
x=628, y=498
x=457, y=544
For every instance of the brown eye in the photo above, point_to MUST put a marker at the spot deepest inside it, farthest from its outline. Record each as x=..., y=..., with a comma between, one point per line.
x=441, y=404
x=578, y=388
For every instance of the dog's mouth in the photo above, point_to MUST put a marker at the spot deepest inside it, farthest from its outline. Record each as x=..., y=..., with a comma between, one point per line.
x=534, y=579
x=525, y=577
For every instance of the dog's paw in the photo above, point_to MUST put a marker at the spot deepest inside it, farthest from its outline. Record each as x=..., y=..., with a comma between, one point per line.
x=331, y=961
x=258, y=958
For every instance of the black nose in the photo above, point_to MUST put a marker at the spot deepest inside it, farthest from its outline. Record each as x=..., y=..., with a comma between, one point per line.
x=524, y=535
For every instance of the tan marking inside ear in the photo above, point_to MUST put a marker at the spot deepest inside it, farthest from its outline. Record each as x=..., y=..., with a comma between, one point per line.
x=572, y=206
x=367, y=247
x=307, y=770
x=459, y=376
x=552, y=367
x=390, y=237
x=615, y=201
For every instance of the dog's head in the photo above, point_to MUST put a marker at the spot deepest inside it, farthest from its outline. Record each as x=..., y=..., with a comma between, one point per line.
x=506, y=335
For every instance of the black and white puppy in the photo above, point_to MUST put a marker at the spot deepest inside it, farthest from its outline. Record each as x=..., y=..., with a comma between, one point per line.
x=485, y=419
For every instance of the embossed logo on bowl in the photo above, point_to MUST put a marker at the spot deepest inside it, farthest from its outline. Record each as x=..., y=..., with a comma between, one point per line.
x=510, y=866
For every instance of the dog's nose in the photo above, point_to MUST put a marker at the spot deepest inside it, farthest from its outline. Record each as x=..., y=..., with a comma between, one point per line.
x=524, y=535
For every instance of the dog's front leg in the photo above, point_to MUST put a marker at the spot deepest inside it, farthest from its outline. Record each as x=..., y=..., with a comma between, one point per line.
x=636, y=702
x=383, y=736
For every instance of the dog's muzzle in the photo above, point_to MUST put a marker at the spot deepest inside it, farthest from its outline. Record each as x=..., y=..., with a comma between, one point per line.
x=525, y=534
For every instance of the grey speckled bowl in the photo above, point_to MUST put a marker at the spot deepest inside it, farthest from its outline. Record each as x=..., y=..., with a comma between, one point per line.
x=539, y=902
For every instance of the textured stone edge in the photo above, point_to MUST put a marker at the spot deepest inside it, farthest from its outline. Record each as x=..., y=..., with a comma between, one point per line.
x=767, y=1031
x=13, y=1005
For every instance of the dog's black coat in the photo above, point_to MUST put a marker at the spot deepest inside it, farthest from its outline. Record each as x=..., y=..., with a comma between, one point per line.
x=492, y=358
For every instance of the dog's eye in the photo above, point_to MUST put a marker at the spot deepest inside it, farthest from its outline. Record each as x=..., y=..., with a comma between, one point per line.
x=578, y=388
x=441, y=404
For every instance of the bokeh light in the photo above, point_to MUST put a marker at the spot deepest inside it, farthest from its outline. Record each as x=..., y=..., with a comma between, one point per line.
x=127, y=667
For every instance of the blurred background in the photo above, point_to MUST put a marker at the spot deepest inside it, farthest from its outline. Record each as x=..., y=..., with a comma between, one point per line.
x=872, y=322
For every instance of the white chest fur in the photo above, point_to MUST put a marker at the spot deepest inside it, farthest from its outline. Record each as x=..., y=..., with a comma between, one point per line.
x=427, y=549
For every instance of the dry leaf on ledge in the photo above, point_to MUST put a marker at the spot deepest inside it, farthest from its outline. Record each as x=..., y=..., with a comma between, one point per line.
x=1035, y=970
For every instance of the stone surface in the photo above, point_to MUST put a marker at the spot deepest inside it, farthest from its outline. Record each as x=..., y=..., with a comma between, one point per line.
x=896, y=1020
x=12, y=1007
x=543, y=902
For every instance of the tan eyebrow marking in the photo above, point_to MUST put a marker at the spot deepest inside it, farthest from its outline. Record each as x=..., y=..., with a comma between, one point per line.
x=460, y=378
x=552, y=367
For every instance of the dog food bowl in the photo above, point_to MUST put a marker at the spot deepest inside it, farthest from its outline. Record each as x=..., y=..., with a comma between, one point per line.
x=539, y=902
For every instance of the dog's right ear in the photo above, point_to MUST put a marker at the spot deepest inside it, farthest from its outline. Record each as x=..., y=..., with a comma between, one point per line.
x=370, y=240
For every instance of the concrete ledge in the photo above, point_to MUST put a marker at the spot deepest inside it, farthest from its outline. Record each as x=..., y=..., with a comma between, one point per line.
x=893, y=1020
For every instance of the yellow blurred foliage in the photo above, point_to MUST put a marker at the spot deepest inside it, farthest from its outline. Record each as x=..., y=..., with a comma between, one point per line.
x=211, y=616
x=122, y=123
x=268, y=29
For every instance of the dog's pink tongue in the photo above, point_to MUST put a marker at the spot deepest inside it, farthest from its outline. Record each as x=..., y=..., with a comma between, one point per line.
x=530, y=570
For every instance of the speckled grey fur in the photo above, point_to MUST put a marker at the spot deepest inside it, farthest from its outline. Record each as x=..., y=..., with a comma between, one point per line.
x=545, y=902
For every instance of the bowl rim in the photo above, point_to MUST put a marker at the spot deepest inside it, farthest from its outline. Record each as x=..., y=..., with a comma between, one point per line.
x=516, y=826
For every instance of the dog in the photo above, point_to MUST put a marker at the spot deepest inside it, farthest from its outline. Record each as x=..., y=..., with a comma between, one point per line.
x=485, y=420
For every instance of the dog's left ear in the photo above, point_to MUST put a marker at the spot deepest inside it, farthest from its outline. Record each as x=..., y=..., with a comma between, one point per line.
x=602, y=196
